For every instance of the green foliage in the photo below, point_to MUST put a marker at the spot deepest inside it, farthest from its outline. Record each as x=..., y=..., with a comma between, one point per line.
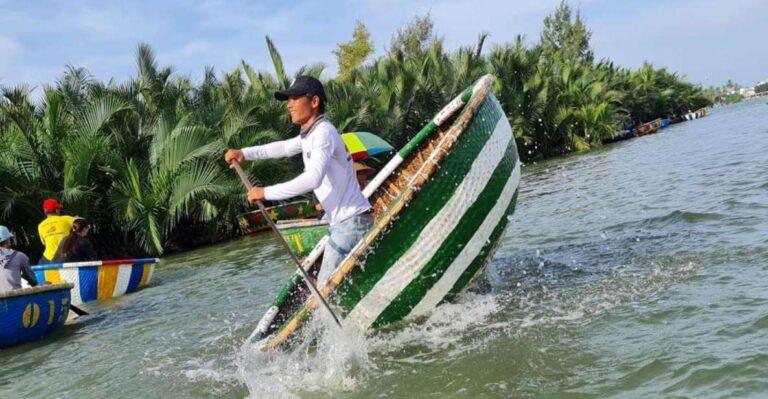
x=354, y=52
x=659, y=93
x=415, y=39
x=143, y=159
x=565, y=37
x=728, y=93
x=761, y=88
x=733, y=98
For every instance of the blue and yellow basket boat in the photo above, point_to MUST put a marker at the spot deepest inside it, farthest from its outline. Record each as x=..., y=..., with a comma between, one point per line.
x=101, y=279
x=28, y=314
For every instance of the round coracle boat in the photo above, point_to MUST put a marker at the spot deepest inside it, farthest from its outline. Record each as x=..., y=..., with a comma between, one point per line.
x=29, y=314
x=440, y=207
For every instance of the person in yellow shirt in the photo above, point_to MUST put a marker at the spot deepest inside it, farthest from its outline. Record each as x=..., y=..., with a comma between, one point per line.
x=53, y=229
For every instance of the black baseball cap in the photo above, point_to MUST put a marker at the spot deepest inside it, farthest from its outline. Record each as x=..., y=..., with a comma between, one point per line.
x=302, y=85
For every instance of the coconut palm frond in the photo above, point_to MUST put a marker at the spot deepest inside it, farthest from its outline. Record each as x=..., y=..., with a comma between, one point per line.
x=195, y=184
x=277, y=62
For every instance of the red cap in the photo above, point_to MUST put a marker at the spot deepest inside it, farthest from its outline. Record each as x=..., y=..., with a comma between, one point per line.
x=51, y=205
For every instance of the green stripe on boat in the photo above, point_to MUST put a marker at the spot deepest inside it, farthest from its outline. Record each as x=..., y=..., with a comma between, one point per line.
x=483, y=257
x=392, y=245
x=455, y=242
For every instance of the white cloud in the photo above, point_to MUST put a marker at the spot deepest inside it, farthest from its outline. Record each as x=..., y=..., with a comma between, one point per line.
x=9, y=48
x=191, y=50
x=222, y=15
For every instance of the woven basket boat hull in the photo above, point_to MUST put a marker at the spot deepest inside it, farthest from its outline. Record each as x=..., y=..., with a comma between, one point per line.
x=101, y=279
x=28, y=314
x=438, y=220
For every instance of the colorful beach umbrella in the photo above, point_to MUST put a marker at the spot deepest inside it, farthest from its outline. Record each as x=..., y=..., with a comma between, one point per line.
x=363, y=145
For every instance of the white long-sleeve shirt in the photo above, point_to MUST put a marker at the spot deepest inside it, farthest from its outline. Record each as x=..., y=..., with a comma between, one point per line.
x=328, y=171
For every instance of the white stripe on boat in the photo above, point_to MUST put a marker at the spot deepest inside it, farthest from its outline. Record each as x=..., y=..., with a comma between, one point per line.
x=382, y=175
x=421, y=252
x=123, y=278
x=470, y=251
x=73, y=276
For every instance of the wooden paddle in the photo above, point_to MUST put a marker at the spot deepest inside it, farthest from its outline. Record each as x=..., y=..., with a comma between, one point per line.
x=296, y=260
x=78, y=311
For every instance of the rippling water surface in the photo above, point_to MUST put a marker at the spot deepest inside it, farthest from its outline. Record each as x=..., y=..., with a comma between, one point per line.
x=639, y=270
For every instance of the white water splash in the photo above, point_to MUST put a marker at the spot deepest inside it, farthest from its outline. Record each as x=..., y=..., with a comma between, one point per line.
x=326, y=360
x=332, y=362
x=445, y=329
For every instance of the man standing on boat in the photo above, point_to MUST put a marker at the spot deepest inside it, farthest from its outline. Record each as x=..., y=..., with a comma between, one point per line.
x=328, y=171
x=13, y=264
x=53, y=229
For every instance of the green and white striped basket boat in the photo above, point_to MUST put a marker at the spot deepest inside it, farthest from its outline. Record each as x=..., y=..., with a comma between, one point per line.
x=440, y=207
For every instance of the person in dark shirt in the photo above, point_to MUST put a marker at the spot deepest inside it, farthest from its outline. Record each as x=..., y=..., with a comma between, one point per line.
x=75, y=247
x=13, y=264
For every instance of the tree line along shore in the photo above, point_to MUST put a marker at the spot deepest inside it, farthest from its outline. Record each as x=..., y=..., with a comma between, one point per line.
x=142, y=159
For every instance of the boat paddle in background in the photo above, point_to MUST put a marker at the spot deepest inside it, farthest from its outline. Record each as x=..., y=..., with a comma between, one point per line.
x=307, y=279
x=78, y=311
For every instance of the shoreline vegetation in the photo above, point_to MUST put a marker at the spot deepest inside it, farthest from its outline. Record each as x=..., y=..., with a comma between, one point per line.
x=142, y=159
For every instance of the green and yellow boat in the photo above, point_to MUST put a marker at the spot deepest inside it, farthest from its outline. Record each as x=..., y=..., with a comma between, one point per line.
x=440, y=207
x=253, y=222
x=303, y=235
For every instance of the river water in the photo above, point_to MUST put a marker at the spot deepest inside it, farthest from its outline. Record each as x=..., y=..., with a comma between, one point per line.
x=638, y=270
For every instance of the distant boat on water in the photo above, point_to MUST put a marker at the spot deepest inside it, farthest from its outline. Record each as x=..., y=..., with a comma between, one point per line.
x=699, y=113
x=651, y=127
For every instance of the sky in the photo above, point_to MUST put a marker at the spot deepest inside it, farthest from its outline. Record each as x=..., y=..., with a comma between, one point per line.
x=708, y=41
